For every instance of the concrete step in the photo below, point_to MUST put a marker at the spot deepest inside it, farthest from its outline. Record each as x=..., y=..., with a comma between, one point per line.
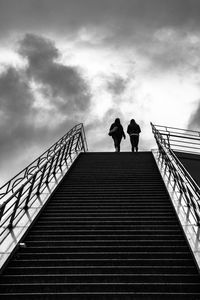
x=108, y=232
x=37, y=262
x=101, y=278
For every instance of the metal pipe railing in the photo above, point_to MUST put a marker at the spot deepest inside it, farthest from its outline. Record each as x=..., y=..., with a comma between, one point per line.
x=20, y=193
x=182, y=180
x=181, y=140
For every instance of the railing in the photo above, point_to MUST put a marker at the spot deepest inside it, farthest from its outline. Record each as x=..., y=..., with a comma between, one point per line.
x=179, y=139
x=182, y=182
x=19, y=194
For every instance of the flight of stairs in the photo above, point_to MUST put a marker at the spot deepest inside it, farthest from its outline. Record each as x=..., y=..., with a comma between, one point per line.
x=108, y=232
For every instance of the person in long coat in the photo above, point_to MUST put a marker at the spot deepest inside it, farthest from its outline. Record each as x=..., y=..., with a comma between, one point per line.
x=117, y=132
x=134, y=131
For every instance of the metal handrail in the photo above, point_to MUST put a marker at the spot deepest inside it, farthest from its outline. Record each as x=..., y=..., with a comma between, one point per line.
x=171, y=129
x=182, y=180
x=181, y=140
x=20, y=193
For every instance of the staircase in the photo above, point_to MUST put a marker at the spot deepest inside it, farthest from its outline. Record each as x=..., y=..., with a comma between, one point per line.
x=108, y=232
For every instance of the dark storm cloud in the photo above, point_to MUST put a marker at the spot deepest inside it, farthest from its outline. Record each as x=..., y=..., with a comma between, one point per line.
x=67, y=15
x=63, y=87
x=15, y=95
x=16, y=102
x=122, y=23
x=58, y=81
x=194, y=122
x=17, y=132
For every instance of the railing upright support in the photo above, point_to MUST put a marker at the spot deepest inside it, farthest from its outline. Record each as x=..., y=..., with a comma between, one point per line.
x=70, y=147
x=16, y=205
x=62, y=156
x=67, y=152
x=30, y=192
x=49, y=172
x=42, y=175
x=2, y=207
x=83, y=144
x=56, y=163
x=41, y=179
x=78, y=140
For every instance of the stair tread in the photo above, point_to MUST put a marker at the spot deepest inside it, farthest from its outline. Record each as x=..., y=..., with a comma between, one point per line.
x=109, y=230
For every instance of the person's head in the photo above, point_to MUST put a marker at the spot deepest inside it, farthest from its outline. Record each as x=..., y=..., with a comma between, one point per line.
x=117, y=121
x=132, y=122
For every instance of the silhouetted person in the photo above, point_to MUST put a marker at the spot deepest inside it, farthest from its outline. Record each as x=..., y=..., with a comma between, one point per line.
x=117, y=132
x=134, y=131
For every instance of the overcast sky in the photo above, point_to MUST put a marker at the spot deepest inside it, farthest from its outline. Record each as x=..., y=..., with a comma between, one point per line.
x=63, y=62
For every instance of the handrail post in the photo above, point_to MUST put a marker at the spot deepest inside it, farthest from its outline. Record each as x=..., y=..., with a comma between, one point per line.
x=70, y=147
x=41, y=179
x=78, y=141
x=16, y=205
x=168, y=141
x=30, y=191
x=61, y=159
x=67, y=151
x=56, y=163
x=2, y=207
x=85, y=146
x=49, y=172
x=83, y=143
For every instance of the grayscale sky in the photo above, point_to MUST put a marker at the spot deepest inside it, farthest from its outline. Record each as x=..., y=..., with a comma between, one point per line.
x=63, y=62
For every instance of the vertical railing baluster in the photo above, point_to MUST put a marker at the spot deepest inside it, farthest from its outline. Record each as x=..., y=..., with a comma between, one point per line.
x=168, y=140
x=30, y=191
x=77, y=143
x=49, y=172
x=83, y=143
x=41, y=179
x=16, y=205
x=71, y=144
x=2, y=207
x=67, y=151
x=85, y=147
x=56, y=163
x=61, y=159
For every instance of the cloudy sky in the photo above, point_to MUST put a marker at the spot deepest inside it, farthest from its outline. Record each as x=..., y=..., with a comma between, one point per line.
x=63, y=62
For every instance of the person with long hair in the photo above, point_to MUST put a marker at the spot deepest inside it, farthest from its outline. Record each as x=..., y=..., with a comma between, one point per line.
x=134, y=131
x=117, y=132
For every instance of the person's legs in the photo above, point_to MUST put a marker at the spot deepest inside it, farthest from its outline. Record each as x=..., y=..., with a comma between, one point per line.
x=136, y=141
x=116, y=144
x=132, y=142
x=119, y=142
